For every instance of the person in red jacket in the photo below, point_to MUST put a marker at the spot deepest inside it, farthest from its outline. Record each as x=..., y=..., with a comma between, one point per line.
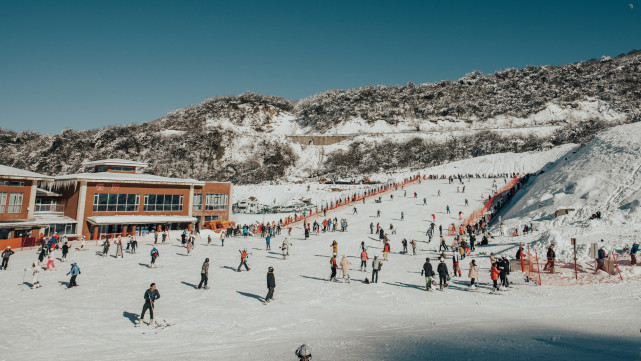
x=243, y=260
x=386, y=250
x=364, y=260
x=494, y=275
x=334, y=266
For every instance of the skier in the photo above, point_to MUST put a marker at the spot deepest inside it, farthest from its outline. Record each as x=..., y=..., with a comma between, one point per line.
x=267, y=241
x=473, y=274
x=154, y=254
x=447, y=209
x=243, y=259
x=378, y=213
x=190, y=244
x=35, y=283
x=402, y=216
x=204, y=275
x=5, y=258
x=600, y=262
x=65, y=251
x=633, y=253
x=505, y=271
x=355, y=211
x=105, y=247
x=287, y=244
x=304, y=353
x=551, y=256
x=74, y=272
x=404, y=242
x=345, y=268
x=134, y=244
x=333, y=265
x=443, y=273
x=334, y=246
x=429, y=273
x=424, y=201
x=151, y=295
x=376, y=266
x=271, y=284
x=364, y=260
x=443, y=246
x=283, y=249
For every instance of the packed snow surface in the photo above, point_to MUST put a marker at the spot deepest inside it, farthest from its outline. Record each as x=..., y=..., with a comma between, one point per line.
x=395, y=319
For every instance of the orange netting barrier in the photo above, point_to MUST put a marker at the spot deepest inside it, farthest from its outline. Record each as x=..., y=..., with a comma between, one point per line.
x=476, y=215
x=316, y=213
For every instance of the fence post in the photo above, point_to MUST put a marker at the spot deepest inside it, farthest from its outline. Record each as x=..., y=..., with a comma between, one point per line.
x=538, y=270
x=617, y=265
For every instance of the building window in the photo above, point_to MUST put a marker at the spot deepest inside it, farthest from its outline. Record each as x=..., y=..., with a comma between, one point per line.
x=109, y=202
x=118, y=168
x=46, y=205
x=12, y=183
x=163, y=203
x=3, y=202
x=102, y=168
x=216, y=202
x=198, y=202
x=15, y=203
x=211, y=218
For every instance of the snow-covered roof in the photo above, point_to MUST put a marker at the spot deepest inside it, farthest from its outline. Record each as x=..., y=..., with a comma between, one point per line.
x=11, y=172
x=124, y=178
x=46, y=193
x=115, y=161
x=38, y=221
x=159, y=219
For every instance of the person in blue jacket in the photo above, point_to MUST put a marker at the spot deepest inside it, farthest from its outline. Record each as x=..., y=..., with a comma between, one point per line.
x=600, y=262
x=74, y=272
x=633, y=253
x=154, y=254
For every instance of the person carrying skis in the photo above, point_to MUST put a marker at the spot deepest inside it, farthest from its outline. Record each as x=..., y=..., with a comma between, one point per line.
x=333, y=265
x=74, y=272
x=5, y=258
x=204, y=275
x=154, y=254
x=442, y=273
x=429, y=273
x=473, y=274
x=151, y=295
x=345, y=268
x=363, y=260
x=551, y=256
x=35, y=283
x=271, y=285
x=243, y=259
x=376, y=266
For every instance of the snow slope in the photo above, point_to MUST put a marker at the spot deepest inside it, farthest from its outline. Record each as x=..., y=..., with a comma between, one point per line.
x=395, y=319
x=604, y=175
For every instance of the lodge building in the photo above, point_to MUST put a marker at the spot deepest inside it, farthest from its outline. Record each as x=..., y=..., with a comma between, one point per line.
x=111, y=197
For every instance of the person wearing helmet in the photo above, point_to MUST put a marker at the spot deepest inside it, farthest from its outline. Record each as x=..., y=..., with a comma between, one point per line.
x=271, y=284
x=5, y=258
x=304, y=353
x=204, y=275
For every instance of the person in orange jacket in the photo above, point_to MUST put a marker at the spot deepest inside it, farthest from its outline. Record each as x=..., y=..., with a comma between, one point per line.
x=386, y=250
x=494, y=275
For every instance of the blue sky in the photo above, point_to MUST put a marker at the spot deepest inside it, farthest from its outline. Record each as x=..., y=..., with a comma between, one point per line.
x=89, y=64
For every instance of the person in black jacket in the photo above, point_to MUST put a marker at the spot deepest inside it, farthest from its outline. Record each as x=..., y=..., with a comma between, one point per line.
x=551, y=256
x=204, y=274
x=429, y=273
x=271, y=284
x=5, y=258
x=505, y=271
x=442, y=273
x=151, y=295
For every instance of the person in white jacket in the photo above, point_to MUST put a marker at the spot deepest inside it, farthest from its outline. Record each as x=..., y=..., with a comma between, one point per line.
x=35, y=283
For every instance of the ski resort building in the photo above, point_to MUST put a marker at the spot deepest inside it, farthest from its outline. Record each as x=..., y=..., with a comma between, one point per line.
x=111, y=197
x=25, y=209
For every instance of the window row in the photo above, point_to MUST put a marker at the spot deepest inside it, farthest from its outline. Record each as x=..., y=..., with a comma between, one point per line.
x=105, y=202
x=14, y=204
x=11, y=183
x=213, y=202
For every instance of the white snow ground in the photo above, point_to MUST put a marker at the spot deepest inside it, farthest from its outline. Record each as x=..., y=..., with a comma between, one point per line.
x=395, y=319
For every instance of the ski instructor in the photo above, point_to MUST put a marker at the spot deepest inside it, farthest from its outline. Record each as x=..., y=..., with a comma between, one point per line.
x=151, y=295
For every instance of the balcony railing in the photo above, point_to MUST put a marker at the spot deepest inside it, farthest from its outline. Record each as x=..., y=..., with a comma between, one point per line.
x=49, y=208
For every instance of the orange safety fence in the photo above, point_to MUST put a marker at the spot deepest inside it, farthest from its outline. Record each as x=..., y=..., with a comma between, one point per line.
x=476, y=215
x=291, y=221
